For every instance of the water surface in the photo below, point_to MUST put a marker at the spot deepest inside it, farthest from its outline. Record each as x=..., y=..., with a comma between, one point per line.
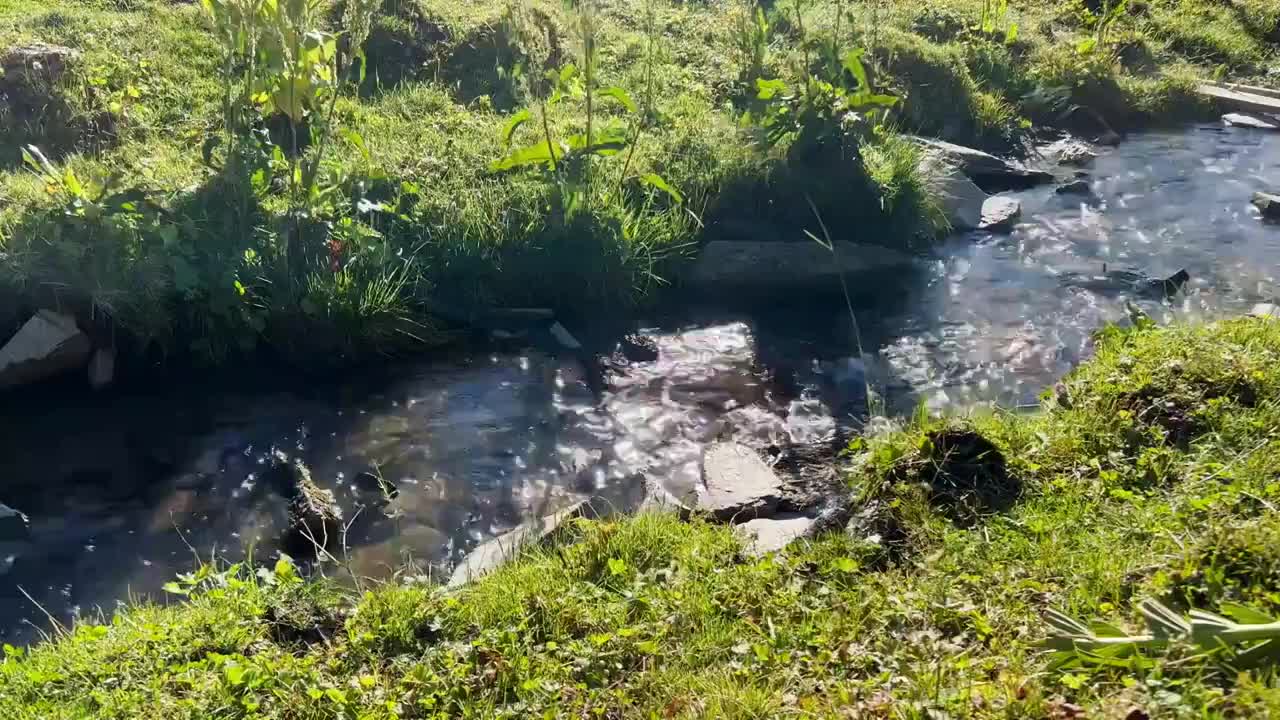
x=123, y=490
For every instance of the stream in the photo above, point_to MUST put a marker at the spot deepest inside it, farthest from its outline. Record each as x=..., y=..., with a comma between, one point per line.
x=125, y=490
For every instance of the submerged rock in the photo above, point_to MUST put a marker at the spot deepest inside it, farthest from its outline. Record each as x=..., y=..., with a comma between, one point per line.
x=737, y=484
x=638, y=348
x=102, y=368
x=315, y=519
x=989, y=172
x=564, y=338
x=766, y=535
x=749, y=266
x=1000, y=214
x=1076, y=154
x=495, y=553
x=47, y=345
x=13, y=524
x=1267, y=203
x=1075, y=187
x=1129, y=281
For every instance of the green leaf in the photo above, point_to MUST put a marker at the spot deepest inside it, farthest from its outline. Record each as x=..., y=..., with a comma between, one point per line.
x=284, y=569
x=768, y=89
x=36, y=159
x=608, y=141
x=336, y=695
x=1102, y=629
x=1086, y=46
x=617, y=567
x=538, y=154
x=357, y=140
x=1245, y=615
x=658, y=182
x=514, y=124
x=621, y=96
x=852, y=61
x=176, y=589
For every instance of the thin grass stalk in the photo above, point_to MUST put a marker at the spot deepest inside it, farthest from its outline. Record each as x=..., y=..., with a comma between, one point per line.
x=829, y=243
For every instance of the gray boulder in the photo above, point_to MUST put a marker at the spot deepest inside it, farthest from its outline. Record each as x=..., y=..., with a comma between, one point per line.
x=13, y=524
x=495, y=553
x=660, y=500
x=1000, y=214
x=46, y=62
x=1268, y=204
x=1075, y=153
x=1265, y=310
x=991, y=173
x=47, y=345
x=737, y=484
x=766, y=535
x=1255, y=121
x=753, y=265
x=960, y=199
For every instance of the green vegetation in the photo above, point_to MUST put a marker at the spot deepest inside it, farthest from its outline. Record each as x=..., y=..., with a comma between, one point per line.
x=328, y=180
x=1149, y=474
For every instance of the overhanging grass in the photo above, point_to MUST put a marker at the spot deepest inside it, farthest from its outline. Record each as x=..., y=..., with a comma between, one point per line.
x=439, y=88
x=912, y=612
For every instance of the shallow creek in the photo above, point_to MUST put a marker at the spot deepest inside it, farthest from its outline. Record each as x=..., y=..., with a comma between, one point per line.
x=123, y=490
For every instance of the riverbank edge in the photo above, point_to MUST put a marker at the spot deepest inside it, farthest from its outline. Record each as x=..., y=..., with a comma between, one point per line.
x=213, y=314
x=1149, y=472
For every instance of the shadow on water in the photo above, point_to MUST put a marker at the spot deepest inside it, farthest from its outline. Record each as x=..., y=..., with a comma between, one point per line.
x=121, y=486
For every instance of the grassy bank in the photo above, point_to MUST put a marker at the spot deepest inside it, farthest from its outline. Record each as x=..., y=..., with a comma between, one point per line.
x=1150, y=473
x=372, y=213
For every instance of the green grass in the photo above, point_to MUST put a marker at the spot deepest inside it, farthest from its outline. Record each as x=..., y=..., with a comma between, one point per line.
x=440, y=86
x=1151, y=472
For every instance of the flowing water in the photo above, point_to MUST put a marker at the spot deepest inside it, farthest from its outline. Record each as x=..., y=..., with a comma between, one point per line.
x=124, y=491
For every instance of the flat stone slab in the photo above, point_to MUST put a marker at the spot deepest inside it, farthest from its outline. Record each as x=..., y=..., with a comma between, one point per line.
x=493, y=554
x=763, y=265
x=1251, y=89
x=1000, y=214
x=1265, y=310
x=1240, y=100
x=1251, y=120
x=766, y=535
x=988, y=171
x=48, y=344
x=737, y=485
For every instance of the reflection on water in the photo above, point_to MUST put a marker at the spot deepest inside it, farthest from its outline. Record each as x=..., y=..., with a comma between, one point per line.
x=122, y=491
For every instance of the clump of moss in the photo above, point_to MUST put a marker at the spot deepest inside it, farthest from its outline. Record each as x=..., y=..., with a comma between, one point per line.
x=940, y=98
x=1237, y=563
